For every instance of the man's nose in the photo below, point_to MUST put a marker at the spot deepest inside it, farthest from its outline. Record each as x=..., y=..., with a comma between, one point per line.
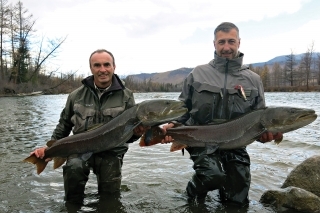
x=226, y=46
x=103, y=68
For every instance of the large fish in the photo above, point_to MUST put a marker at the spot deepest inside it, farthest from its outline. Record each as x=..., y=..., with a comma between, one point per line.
x=236, y=133
x=112, y=134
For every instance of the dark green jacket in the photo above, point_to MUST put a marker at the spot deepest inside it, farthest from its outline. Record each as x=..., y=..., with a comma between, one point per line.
x=210, y=95
x=84, y=109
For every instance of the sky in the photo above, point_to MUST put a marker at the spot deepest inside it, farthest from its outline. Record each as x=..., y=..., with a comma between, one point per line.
x=152, y=36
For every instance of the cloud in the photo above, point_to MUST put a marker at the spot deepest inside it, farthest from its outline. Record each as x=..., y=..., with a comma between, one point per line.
x=162, y=35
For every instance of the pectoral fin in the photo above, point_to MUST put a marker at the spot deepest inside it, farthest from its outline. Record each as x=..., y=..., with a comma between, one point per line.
x=86, y=156
x=177, y=146
x=277, y=141
x=151, y=137
x=57, y=162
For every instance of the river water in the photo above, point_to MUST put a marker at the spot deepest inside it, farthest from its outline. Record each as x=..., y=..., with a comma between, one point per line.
x=154, y=179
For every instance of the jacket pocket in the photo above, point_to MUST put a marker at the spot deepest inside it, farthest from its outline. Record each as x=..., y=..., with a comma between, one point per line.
x=83, y=118
x=205, y=101
x=110, y=113
x=240, y=104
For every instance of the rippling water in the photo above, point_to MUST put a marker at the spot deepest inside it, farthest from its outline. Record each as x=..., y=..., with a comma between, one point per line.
x=154, y=179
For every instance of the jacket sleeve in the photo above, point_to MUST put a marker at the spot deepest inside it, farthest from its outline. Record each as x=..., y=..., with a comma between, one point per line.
x=261, y=99
x=185, y=97
x=131, y=103
x=65, y=125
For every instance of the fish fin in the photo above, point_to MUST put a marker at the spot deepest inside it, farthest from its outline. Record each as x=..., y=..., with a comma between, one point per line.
x=277, y=141
x=86, y=156
x=58, y=161
x=95, y=126
x=152, y=136
x=177, y=146
x=40, y=163
x=50, y=143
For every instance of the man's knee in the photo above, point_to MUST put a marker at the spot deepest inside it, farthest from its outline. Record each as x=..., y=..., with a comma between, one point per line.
x=108, y=171
x=209, y=175
x=110, y=186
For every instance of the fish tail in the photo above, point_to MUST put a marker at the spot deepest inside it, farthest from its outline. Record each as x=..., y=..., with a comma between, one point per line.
x=40, y=163
x=152, y=137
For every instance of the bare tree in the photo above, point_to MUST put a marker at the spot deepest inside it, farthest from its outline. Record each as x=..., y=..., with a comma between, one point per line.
x=277, y=77
x=317, y=62
x=306, y=63
x=289, y=69
x=45, y=53
x=4, y=10
x=265, y=76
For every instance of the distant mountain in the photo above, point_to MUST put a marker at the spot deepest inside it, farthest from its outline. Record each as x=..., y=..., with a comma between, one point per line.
x=177, y=76
x=282, y=59
x=174, y=77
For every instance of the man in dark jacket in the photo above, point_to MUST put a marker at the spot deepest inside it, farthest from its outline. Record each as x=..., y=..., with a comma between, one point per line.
x=216, y=92
x=102, y=97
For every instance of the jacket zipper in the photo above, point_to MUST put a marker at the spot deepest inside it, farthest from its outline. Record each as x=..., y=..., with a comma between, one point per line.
x=223, y=110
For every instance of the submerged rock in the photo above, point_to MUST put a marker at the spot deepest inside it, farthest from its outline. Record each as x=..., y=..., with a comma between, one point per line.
x=306, y=176
x=292, y=198
x=300, y=191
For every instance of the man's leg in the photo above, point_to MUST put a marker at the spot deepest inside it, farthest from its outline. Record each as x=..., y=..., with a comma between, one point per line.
x=75, y=175
x=209, y=174
x=237, y=166
x=107, y=167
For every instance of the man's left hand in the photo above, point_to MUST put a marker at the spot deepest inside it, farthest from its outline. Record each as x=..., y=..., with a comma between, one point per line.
x=268, y=136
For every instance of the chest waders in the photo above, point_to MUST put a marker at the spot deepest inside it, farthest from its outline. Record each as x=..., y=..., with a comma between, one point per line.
x=227, y=171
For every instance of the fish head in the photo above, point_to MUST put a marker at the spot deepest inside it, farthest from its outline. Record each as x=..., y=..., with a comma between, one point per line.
x=159, y=111
x=286, y=119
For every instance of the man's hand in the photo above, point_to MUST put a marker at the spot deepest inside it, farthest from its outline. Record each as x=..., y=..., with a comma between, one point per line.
x=268, y=136
x=167, y=138
x=39, y=153
x=140, y=130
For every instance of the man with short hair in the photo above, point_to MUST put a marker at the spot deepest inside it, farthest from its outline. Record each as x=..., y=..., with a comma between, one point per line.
x=216, y=92
x=101, y=98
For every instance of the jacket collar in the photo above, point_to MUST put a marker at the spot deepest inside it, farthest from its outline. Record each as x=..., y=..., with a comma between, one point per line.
x=116, y=83
x=234, y=65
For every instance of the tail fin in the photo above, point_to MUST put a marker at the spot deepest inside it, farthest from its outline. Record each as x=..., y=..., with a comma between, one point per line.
x=152, y=137
x=40, y=163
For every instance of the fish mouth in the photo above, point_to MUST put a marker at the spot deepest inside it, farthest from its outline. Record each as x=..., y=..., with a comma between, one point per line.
x=311, y=116
x=170, y=112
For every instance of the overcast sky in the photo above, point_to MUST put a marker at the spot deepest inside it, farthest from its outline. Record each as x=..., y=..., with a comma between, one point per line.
x=148, y=36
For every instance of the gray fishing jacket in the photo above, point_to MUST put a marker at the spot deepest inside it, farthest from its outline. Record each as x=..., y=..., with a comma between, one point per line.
x=212, y=92
x=84, y=108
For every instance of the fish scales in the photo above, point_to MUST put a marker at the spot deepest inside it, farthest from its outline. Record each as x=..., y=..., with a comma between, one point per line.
x=112, y=134
x=235, y=133
x=225, y=134
x=102, y=138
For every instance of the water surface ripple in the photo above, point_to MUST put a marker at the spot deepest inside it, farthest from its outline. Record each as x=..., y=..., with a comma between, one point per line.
x=154, y=179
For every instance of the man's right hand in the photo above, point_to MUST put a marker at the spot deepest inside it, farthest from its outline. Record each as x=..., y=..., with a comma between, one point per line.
x=167, y=138
x=39, y=153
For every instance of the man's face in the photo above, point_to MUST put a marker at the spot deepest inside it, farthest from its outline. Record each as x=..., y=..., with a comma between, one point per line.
x=227, y=44
x=101, y=65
